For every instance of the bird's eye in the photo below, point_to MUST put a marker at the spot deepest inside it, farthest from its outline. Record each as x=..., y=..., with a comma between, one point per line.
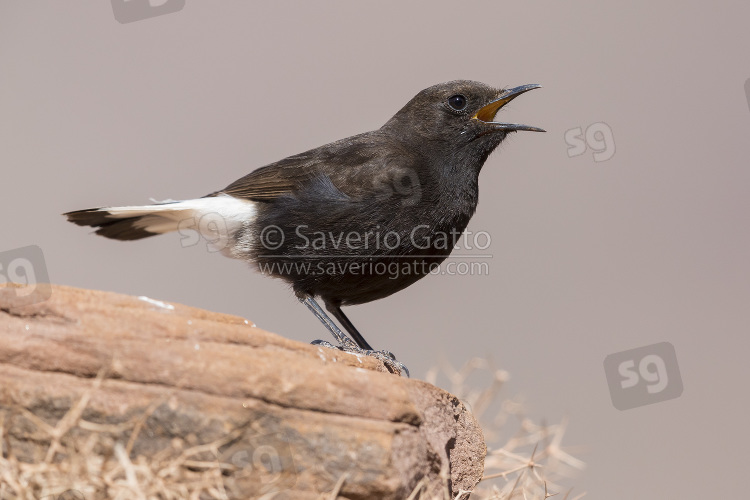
x=457, y=102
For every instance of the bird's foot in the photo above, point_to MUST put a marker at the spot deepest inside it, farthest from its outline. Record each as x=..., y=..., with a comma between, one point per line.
x=347, y=346
x=388, y=359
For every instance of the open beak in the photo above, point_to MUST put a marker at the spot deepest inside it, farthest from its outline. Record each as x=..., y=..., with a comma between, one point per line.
x=488, y=112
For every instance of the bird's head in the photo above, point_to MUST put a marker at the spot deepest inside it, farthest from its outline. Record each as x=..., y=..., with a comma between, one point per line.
x=457, y=115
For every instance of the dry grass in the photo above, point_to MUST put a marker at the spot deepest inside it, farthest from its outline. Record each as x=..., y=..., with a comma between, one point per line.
x=525, y=460
x=100, y=467
x=528, y=465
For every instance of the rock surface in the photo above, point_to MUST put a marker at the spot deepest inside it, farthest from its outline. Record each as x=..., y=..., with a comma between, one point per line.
x=300, y=418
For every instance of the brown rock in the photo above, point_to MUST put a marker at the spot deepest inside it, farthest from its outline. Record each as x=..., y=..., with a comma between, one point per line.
x=283, y=416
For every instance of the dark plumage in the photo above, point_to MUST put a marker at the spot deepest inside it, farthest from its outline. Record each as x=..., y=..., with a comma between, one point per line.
x=414, y=181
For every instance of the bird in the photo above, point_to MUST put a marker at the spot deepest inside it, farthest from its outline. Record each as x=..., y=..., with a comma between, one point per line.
x=352, y=221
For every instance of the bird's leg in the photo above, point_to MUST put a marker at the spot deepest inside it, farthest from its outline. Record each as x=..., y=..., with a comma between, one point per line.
x=348, y=326
x=319, y=313
x=345, y=343
x=385, y=356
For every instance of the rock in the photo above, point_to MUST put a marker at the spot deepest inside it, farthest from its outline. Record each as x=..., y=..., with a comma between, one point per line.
x=281, y=418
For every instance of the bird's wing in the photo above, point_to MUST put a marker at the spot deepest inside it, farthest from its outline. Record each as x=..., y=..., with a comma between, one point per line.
x=357, y=167
x=269, y=182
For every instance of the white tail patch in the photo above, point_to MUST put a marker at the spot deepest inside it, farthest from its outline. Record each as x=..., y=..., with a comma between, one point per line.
x=215, y=217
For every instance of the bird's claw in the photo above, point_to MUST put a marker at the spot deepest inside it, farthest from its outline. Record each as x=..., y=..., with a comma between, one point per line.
x=387, y=357
x=348, y=345
x=390, y=361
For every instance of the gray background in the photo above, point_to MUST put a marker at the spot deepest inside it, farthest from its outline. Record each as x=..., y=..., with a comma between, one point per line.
x=588, y=258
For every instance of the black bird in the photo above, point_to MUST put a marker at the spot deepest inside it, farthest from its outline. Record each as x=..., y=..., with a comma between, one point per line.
x=352, y=221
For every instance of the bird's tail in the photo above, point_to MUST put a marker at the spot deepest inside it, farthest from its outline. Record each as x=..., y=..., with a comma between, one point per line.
x=132, y=223
x=226, y=215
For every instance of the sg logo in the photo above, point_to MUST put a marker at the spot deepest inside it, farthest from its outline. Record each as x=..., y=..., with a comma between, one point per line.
x=643, y=376
x=267, y=459
x=25, y=267
x=598, y=137
x=128, y=11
